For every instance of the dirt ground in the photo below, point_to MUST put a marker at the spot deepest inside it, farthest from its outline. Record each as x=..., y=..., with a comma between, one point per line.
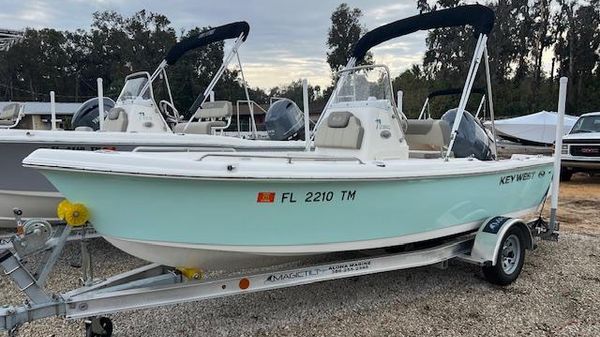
x=579, y=205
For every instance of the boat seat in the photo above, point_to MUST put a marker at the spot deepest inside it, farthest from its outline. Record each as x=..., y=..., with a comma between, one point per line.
x=201, y=128
x=210, y=116
x=342, y=130
x=427, y=134
x=214, y=110
x=115, y=121
x=84, y=128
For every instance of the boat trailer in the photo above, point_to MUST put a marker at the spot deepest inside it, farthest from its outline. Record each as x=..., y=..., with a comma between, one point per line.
x=155, y=285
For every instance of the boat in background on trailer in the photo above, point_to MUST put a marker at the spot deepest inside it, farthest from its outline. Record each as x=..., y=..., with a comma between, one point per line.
x=135, y=123
x=535, y=129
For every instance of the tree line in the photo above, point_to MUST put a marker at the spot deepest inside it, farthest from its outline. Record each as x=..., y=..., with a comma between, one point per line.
x=534, y=42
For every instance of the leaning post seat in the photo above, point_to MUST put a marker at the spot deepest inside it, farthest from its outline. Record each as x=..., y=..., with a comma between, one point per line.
x=212, y=115
x=428, y=134
x=342, y=130
x=115, y=121
x=216, y=109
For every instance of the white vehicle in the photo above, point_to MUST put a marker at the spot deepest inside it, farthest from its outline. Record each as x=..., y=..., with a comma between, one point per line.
x=581, y=147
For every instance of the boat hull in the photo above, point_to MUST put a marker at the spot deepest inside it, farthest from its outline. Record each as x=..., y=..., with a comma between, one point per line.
x=31, y=192
x=176, y=221
x=37, y=204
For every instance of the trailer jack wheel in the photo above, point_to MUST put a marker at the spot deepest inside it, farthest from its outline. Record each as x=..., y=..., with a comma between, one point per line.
x=98, y=327
x=510, y=258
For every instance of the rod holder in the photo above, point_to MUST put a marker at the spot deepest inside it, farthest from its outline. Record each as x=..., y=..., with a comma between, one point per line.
x=400, y=96
x=306, y=115
x=53, y=110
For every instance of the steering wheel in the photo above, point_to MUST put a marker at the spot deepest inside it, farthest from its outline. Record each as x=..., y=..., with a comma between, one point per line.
x=173, y=115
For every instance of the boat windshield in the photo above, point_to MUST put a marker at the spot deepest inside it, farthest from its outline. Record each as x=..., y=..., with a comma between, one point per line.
x=587, y=124
x=133, y=86
x=366, y=83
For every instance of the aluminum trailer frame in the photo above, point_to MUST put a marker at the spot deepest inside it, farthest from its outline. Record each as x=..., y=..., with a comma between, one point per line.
x=155, y=285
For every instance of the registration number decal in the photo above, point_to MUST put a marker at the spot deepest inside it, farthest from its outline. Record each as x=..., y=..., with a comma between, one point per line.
x=308, y=197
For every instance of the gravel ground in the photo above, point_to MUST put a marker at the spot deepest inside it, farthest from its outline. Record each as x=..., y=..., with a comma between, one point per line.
x=557, y=294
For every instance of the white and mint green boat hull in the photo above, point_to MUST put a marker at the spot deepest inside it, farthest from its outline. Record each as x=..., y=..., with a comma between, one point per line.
x=199, y=222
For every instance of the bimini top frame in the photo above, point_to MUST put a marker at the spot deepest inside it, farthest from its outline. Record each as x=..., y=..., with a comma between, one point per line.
x=481, y=18
x=449, y=92
x=235, y=30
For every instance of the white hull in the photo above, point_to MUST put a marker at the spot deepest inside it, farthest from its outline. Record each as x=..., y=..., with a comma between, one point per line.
x=212, y=257
x=33, y=204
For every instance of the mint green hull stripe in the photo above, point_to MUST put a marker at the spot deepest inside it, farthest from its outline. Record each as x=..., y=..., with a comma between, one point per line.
x=302, y=213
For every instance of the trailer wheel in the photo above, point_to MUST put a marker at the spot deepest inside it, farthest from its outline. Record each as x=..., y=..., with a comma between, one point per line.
x=98, y=327
x=511, y=256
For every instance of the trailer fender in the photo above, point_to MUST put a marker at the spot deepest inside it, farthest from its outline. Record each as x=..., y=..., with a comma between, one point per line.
x=489, y=237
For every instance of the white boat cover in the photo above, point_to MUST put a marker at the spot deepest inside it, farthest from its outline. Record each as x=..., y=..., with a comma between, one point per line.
x=538, y=127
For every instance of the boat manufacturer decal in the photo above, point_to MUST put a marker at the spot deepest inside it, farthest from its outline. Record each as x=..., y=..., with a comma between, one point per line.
x=265, y=197
x=79, y=147
x=380, y=126
x=519, y=177
x=295, y=275
x=494, y=225
x=318, y=196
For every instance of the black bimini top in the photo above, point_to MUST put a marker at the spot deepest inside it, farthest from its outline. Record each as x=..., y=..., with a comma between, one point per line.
x=479, y=17
x=454, y=91
x=228, y=31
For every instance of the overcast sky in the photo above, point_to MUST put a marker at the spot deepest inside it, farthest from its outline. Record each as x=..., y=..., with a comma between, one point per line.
x=287, y=38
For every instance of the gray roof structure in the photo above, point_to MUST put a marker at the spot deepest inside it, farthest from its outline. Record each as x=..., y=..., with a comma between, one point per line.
x=43, y=108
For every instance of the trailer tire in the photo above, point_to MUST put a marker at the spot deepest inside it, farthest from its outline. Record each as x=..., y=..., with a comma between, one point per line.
x=509, y=260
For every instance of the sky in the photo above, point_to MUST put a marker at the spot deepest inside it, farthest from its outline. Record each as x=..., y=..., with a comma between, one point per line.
x=287, y=39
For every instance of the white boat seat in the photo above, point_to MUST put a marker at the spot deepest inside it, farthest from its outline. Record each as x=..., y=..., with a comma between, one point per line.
x=214, y=110
x=202, y=128
x=84, y=128
x=428, y=134
x=115, y=121
x=342, y=130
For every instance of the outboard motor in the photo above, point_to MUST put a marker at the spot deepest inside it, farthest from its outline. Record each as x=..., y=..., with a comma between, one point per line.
x=285, y=121
x=471, y=138
x=87, y=114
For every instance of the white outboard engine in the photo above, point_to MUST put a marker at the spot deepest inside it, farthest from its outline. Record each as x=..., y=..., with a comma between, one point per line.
x=285, y=121
x=88, y=112
x=471, y=138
